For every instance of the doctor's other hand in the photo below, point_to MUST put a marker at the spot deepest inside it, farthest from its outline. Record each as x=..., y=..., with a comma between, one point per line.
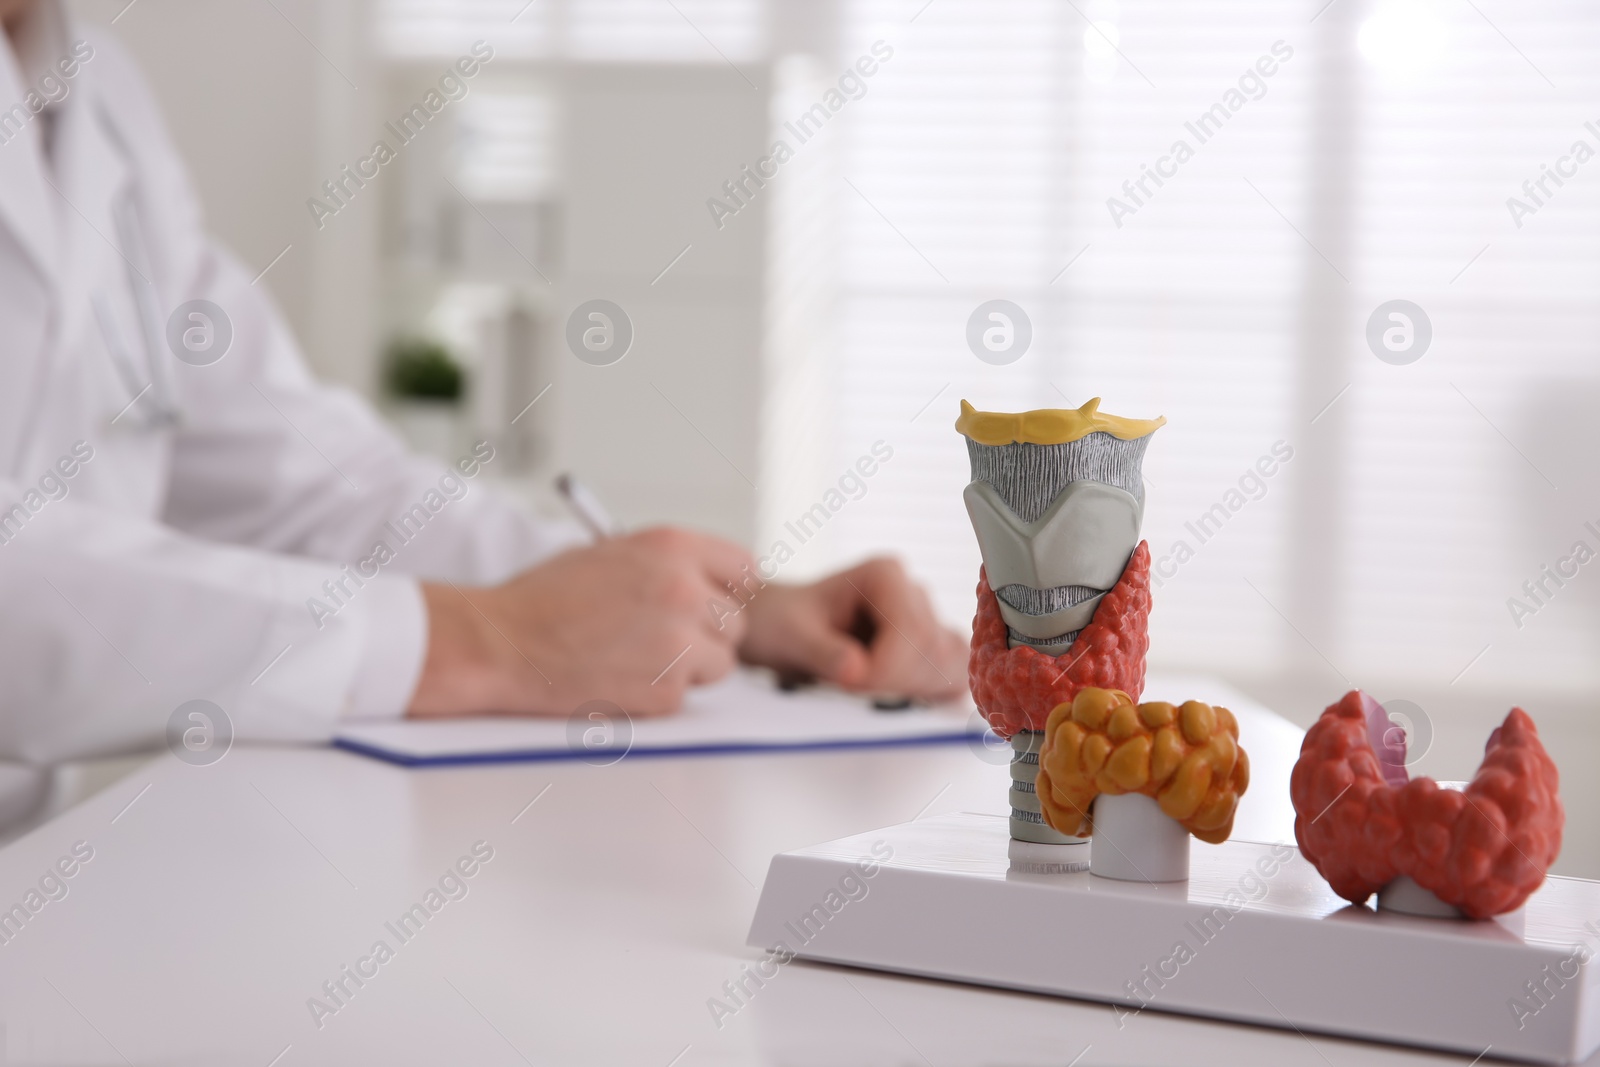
x=870, y=629
x=627, y=620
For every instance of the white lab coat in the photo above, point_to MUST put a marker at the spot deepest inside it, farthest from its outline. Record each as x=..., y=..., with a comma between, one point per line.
x=180, y=563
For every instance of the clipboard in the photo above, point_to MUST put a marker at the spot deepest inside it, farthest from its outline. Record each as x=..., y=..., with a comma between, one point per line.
x=745, y=712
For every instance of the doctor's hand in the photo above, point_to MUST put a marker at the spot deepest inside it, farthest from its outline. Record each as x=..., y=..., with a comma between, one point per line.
x=870, y=629
x=628, y=620
x=637, y=620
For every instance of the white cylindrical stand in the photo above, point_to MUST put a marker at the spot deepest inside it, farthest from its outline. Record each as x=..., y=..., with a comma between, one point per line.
x=1135, y=841
x=1408, y=898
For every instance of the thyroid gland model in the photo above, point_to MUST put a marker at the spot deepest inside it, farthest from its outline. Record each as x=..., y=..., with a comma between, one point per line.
x=1475, y=849
x=1059, y=644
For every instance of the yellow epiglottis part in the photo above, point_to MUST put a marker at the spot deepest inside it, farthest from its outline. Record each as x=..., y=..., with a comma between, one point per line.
x=1049, y=426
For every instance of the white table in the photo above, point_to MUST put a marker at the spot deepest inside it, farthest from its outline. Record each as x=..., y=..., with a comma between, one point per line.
x=220, y=898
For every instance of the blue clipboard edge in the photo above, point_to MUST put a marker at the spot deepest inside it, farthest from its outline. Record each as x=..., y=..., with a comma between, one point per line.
x=730, y=749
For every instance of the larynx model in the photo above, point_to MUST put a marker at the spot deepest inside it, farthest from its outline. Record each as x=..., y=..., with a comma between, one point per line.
x=1056, y=499
x=1478, y=848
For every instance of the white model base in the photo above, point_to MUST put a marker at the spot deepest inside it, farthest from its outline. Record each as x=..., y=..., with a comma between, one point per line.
x=1255, y=935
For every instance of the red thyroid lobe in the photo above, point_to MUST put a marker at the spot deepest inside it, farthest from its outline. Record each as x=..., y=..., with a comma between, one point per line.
x=1484, y=849
x=1016, y=688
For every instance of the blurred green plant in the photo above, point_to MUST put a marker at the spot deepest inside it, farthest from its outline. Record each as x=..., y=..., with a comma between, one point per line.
x=416, y=368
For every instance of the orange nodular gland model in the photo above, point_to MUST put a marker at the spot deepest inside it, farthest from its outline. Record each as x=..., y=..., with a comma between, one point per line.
x=1187, y=757
x=1362, y=821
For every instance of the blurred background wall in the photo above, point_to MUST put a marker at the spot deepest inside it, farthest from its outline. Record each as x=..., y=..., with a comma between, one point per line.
x=1335, y=157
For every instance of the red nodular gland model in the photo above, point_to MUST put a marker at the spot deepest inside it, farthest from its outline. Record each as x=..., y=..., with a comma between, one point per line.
x=1362, y=823
x=1016, y=688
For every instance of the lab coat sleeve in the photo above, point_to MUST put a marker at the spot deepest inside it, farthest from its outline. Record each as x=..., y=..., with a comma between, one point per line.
x=270, y=459
x=114, y=620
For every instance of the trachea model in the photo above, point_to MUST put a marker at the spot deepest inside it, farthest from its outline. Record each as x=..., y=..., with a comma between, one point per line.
x=1475, y=849
x=1056, y=499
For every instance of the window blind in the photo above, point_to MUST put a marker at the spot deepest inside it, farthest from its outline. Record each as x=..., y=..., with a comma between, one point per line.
x=1407, y=503
x=696, y=31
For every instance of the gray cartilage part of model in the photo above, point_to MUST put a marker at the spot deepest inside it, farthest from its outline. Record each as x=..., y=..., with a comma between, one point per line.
x=1029, y=477
x=1027, y=822
x=1031, y=601
x=1068, y=557
x=1056, y=525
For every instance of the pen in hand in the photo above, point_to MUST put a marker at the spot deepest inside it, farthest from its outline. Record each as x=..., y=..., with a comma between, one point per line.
x=586, y=506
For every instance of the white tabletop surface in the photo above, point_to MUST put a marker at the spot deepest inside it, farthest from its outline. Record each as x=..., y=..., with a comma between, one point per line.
x=220, y=898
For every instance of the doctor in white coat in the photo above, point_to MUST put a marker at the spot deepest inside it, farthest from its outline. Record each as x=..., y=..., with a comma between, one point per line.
x=163, y=523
